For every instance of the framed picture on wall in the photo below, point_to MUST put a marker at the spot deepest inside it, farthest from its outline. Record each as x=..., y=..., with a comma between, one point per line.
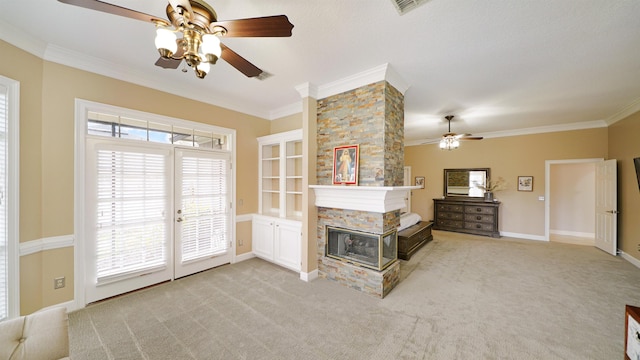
x=525, y=183
x=420, y=181
x=345, y=164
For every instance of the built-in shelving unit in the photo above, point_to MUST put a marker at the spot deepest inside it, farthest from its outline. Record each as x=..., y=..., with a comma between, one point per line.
x=277, y=230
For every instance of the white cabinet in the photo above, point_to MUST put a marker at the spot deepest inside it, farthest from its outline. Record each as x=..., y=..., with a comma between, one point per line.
x=277, y=240
x=276, y=234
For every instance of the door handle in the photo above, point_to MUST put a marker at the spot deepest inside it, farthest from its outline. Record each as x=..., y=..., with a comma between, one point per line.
x=179, y=219
x=613, y=211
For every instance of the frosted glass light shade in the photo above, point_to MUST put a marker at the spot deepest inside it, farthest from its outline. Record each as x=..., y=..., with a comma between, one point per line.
x=210, y=45
x=166, y=40
x=204, y=67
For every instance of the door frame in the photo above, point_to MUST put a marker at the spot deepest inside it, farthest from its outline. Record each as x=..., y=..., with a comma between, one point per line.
x=80, y=116
x=547, y=189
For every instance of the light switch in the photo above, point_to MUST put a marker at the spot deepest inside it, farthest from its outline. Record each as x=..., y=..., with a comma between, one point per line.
x=541, y=198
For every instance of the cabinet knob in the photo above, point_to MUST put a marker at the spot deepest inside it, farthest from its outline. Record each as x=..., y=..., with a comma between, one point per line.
x=478, y=209
x=478, y=217
x=478, y=226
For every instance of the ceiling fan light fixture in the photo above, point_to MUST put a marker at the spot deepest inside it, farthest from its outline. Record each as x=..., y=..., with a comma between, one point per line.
x=210, y=48
x=449, y=143
x=202, y=69
x=166, y=42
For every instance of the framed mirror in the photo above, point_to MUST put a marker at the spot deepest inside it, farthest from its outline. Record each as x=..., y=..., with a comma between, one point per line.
x=465, y=182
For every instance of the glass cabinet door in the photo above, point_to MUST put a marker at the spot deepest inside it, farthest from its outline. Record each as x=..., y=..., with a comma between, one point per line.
x=293, y=179
x=270, y=178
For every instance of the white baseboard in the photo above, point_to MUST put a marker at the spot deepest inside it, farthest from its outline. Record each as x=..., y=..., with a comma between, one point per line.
x=245, y=256
x=523, y=236
x=50, y=243
x=630, y=258
x=310, y=276
x=573, y=233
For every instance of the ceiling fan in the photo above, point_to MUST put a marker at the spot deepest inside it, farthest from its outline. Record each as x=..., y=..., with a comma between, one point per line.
x=451, y=140
x=197, y=23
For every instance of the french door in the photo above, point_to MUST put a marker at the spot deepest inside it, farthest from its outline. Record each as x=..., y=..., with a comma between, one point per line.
x=202, y=211
x=154, y=214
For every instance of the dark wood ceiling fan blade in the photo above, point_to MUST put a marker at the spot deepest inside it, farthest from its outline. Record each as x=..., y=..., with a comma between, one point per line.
x=268, y=26
x=470, y=138
x=114, y=9
x=240, y=63
x=175, y=60
x=168, y=63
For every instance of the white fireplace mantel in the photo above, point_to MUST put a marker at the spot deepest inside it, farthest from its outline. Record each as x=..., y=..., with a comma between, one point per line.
x=379, y=199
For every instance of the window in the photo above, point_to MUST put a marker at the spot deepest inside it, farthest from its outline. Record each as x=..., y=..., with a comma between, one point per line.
x=9, y=105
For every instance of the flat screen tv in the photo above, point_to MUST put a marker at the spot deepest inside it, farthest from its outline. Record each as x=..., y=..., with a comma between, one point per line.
x=636, y=162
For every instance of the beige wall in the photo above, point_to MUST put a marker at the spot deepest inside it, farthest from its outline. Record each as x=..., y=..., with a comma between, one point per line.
x=48, y=92
x=624, y=146
x=287, y=123
x=508, y=157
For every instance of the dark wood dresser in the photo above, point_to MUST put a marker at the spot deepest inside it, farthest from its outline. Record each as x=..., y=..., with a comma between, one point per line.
x=466, y=216
x=413, y=238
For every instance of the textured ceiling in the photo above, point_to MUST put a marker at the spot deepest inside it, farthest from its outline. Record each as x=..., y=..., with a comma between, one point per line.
x=500, y=66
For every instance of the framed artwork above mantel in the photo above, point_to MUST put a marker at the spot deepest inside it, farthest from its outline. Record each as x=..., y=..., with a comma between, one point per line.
x=345, y=165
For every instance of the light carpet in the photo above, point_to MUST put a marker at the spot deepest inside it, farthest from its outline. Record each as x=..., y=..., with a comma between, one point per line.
x=460, y=297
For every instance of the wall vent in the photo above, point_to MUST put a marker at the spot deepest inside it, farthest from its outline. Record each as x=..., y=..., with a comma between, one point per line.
x=404, y=6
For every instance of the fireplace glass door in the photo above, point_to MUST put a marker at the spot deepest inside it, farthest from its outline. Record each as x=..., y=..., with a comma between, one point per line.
x=369, y=250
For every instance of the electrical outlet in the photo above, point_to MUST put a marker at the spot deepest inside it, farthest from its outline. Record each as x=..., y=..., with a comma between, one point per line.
x=638, y=247
x=58, y=283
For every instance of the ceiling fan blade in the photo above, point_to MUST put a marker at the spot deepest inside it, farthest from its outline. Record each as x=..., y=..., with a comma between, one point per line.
x=471, y=138
x=115, y=10
x=268, y=26
x=168, y=63
x=240, y=63
x=175, y=60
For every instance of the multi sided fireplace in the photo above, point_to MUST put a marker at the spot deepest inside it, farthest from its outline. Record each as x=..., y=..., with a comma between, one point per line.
x=369, y=250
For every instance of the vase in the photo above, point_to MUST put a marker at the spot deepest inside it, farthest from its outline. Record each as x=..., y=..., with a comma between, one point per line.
x=488, y=196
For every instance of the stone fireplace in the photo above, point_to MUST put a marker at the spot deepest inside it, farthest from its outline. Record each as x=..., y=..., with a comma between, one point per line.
x=371, y=116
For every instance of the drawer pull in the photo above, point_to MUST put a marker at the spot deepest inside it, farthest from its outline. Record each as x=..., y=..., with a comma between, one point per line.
x=479, y=209
x=478, y=217
x=478, y=226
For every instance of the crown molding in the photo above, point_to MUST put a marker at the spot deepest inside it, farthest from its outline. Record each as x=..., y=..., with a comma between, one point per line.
x=307, y=90
x=624, y=112
x=527, y=131
x=22, y=40
x=290, y=109
x=378, y=73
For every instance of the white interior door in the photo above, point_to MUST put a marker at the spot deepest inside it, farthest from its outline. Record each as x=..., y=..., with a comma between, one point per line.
x=202, y=211
x=606, y=206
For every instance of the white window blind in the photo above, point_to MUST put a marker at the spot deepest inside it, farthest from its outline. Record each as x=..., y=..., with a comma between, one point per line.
x=204, y=206
x=4, y=263
x=132, y=198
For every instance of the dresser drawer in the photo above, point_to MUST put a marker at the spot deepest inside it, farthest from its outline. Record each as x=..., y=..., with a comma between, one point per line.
x=478, y=218
x=450, y=216
x=450, y=223
x=479, y=209
x=478, y=226
x=450, y=207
